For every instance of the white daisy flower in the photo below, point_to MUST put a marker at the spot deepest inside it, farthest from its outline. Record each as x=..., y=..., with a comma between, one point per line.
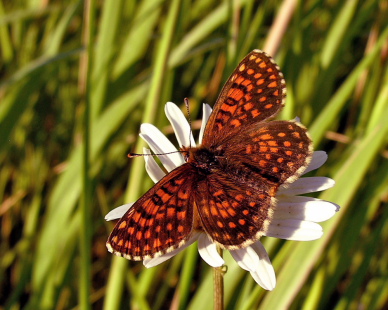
x=295, y=217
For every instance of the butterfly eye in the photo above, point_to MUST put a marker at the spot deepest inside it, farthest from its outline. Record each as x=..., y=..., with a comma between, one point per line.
x=186, y=154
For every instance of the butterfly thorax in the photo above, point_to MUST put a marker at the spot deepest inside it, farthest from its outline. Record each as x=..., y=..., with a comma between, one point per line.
x=204, y=159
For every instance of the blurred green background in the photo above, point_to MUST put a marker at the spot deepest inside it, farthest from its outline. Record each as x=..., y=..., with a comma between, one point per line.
x=70, y=112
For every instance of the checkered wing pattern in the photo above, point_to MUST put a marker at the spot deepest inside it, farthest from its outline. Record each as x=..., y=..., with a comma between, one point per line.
x=232, y=213
x=252, y=156
x=227, y=186
x=270, y=152
x=254, y=92
x=160, y=221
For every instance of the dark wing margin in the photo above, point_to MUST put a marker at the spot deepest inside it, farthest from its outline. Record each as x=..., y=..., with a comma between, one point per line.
x=159, y=222
x=254, y=92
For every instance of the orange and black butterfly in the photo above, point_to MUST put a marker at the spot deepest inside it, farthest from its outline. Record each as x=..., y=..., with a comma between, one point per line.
x=227, y=185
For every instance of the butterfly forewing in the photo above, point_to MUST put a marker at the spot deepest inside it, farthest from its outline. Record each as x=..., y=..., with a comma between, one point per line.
x=160, y=221
x=254, y=92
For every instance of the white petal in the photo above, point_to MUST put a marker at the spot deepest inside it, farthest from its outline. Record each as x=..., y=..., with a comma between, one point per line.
x=265, y=274
x=152, y=262
x=319, y=158
x=306, y=185
x=255, y=260
x=258, y=277
x=208, y=251
x=304, y=208
x=247, y=258
x=294, y=230
x=159, y=144
x=153, y=169
x=118, y=212
x=179, y=124
x=206, y=111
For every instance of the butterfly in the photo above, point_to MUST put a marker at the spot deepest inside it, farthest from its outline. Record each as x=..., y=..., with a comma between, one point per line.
x=227, y=185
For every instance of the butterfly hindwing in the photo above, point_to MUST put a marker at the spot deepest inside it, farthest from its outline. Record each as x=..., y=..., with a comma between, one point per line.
x=233, y=214
x=274, y=152
x=160, y=221
x=254, y=92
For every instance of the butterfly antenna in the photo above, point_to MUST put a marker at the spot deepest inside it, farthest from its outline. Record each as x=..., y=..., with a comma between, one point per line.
x=133, y=155
x=188, y=118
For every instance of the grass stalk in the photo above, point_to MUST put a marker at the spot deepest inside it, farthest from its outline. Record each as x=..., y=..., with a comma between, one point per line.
x=86, y=231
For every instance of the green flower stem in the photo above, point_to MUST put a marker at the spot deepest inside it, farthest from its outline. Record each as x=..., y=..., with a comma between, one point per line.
x=218, y=277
